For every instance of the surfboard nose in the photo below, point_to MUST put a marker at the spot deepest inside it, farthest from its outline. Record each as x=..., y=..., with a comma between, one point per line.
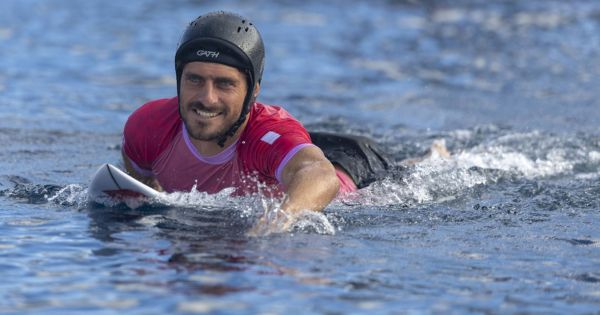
x=110, y=181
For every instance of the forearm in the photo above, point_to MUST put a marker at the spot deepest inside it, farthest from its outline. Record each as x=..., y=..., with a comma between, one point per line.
x=311, y=188
x=311, y=183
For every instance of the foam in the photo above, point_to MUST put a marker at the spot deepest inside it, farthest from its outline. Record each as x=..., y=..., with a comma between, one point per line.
x=594, y=156
x=70, y=195
x=438, y=179
x=505, y=159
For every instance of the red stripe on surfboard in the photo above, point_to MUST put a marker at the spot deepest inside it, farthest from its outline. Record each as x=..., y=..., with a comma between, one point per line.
x=124, y=193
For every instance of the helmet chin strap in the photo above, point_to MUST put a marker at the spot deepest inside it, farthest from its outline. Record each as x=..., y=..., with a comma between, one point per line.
x=221, y=140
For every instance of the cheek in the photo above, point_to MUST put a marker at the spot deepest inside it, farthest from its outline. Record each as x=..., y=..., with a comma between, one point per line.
x=236, y=101
x=185, y=94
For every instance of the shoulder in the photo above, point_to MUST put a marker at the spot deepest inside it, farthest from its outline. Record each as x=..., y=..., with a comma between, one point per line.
x=158, y=116
x=155, y=113
x=150, y=129
x=266, y=118
x=264, y=111
x=271, y=137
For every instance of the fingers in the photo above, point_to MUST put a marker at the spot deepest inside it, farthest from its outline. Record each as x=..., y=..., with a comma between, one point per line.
x=275, y=221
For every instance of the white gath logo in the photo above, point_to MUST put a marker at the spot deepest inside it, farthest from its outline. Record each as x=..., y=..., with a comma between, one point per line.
x=207, y=53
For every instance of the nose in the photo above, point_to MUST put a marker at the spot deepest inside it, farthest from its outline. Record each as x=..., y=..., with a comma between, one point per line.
x=207, y=94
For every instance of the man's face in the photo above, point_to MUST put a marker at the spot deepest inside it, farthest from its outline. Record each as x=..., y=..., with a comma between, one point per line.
x=211, y=98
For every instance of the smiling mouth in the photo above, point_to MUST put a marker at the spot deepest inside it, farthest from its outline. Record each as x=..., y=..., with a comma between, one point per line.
x=205, y=114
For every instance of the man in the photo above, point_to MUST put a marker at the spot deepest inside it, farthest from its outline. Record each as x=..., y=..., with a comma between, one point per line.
x=214, y=135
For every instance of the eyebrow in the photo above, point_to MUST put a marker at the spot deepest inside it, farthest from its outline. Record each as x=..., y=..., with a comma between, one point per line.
x=214, y=78
x=226, y=80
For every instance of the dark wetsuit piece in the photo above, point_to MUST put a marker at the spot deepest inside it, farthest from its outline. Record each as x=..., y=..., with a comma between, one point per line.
x=359, y=156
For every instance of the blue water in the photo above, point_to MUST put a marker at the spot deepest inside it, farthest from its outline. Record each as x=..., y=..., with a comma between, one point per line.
x=507, y=225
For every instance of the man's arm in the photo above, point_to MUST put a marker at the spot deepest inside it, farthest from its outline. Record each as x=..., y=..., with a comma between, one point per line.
x=310, y=181
x=148, y=180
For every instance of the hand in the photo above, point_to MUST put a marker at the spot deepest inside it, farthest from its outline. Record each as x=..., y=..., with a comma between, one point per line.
x=155, y=184
x=272, y=221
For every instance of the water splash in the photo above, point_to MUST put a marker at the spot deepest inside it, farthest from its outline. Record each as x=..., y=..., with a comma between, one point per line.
x=31, y=193
x=312, y=221
x=194, y=198
x=517, y=163
x=71, y=195
x=482, y=160
x=433, y=180
x=189, y=209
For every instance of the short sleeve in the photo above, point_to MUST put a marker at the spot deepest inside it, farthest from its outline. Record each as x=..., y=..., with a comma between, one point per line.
x=135, y=146
x=148, y=132
x=272, y=139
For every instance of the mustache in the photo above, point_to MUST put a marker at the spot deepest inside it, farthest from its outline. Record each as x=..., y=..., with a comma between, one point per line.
x=196, y=104
x=201, y=106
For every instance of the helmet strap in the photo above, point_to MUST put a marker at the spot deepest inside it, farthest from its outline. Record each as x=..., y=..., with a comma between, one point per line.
x=248, y=100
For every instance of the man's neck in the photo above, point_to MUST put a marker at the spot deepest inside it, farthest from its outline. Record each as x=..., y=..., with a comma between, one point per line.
x=210, y=148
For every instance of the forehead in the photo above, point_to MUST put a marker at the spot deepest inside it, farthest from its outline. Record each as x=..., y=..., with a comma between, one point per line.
x=210, y=69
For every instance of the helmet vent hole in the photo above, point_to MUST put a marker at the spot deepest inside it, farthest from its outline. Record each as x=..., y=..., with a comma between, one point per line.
x=243, y=21
x=239, y=29
x=246, y=29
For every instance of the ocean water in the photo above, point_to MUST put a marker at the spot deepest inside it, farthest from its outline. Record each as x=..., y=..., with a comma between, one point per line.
x=509, y=224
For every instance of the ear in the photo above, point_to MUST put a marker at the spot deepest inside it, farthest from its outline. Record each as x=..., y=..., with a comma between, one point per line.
x=256, y=90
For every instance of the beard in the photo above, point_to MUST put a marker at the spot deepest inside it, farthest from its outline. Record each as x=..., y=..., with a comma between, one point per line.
x=204, y=131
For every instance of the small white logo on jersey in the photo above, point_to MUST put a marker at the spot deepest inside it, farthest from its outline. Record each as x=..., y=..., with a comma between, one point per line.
x=207, y=53
x=270, y=137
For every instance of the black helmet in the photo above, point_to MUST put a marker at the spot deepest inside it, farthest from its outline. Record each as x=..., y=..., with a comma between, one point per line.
x=225, y=38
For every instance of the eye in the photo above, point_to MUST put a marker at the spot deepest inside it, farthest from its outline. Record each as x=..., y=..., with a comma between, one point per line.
x=225, y=84
x=194, y=79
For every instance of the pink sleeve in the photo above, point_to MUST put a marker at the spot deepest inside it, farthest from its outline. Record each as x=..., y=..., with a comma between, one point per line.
x=134, y=145
x=272, y=145
x=148, y=131
x=288, y=157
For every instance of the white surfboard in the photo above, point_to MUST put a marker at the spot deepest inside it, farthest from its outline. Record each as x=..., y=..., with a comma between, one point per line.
x=110, y=181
